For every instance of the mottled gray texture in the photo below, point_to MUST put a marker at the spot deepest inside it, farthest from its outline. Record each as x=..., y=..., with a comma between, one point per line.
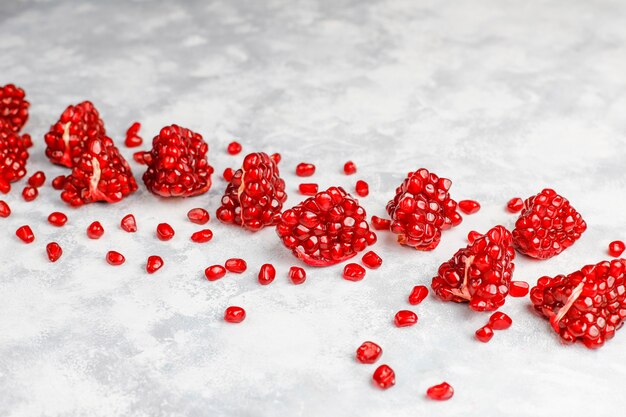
x=503, y=97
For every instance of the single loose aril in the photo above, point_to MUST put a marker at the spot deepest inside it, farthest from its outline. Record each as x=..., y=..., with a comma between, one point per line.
x=368, y=352
x=13, y=107
x=500, y=321
x=405, y=318
x=233, y=148
x=308, y=189
x=469, y=206
x=418, y=294
x=202, y=236
x=440, y=392
x=297, y=275
x=484, y=334
x=153, y=264
x=115, y=258
x=57, y=219
x=515, y=205
x=236, y=265
x=58, y=182
x=305, y=169
x=25, y=233
x=616, y=248
x=267, y=274
x=54, y=251
x=353, y=272
x=362, y=188
x=128, y=223
x=349, y=168
x=380, y=224
x=95, y=230
x=198, y=216
x=214, y=272
x=37, y=179
x=164, y=231
x=132, y=136
x=384, y=377
x=29, y=193
x=518, y=288
x=5, y=210
x=372, y=260
x=234, y=314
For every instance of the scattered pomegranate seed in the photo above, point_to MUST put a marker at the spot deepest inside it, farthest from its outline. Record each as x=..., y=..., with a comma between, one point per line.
x=441, y=392
x=141, y=157
x=515, y=205
x=469, y=206
x=308, y=189
x=201, y=236
x=228, y=174
x=616, y=248
x=234, y=314
x=349, y=168
x=372, y=260
x=5, y=186
x=418, y=294
x=380, y=224
x=215, y=272
x=29, y=193
x=362, y=189
x=236, y=265
x=297, y=275
x=500, y=321
x=405, y=318
x=57, y=219
x=54, y=251
x=129, y=224
x=384, y=377
x=368, y=352
x=473, y=235
x=353, y=272
x=25, y=233
x=132, y=136
x=165, y=232
x=198, y=216
x=153, y=264
x=95, y=230
x=115, y=258
x=305, y=169
x=58, y=182
x=484, y=334
x=5, y=210
x=267, y=274
x=234, y=148
x=276, y=157
x=37, y=179
x=518, y=288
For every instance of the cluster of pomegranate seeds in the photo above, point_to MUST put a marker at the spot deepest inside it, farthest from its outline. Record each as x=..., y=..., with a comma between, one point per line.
x=95, y=230
x=473, y=235
x=305, y=169
x=616, y=248
x=480, y=273
x=588, y=305
x=380, y=223
x=128, y=223
x=297, y=275
x=255, y=195
x=405, y=318
x=362, y=188
x=25, y=233
x=234, y=314
x=236, y=265
x=57, y=219
x=54, y=251
x=353, y=272
x=515, y=205
x=228, y=174
x=418, y=294
x=233, y=148
x=198, y=216
x=349, y=168
x=518, y=288
x=153, y=264
x=326, y=229
x=421, y=209
x=13, y=156
x=368, y=352
x=267, y=273
x=214, y=272
x=132, y=136
x=5, y=210
x=29, y=193
x=308, y=188
x=440, y=392
x=165, y=232
x=372, y=260
x=547, y=226
x=37, y=179
x=469, y=206
x=384, y=377
x=115, y=258
x=13, y=107
x=58, y=182
x=202, y=236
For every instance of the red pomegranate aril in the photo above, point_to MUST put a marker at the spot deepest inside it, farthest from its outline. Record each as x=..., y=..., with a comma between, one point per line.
x=25, y=233
x=500, y=321
x=276, y=157
x=132, y=136
x=153, y=264
x=5, y=186
x=141, y=157
x=405, y=318
x=95, y=230
x=198, y=216
x=616, y=248
x=297, y=275
x=418, y=294
x=57, y=219
x=165, y=232
x=233, y=148
x=353, y=272
x=58, y=182
x=349, y=168
x=305, y=169
x=228, y=174
x=267, y=274
x=362, y=188
x=54, y=251
x=201, y=236
x=515, y=205
x=380, y=223
x=484, y=334
x=518, y=288
x=214, y=272
x=234, y=314
x=440, y=392
x=115, y=258
x=469, y=206
x=5, y=210
x=236, y=265
x=368, y=352
x=29, y=193
x=384, y=377
x=372, y=260
x=37, y=179
x=129, y=224
x=473, y=235
x=308, y=189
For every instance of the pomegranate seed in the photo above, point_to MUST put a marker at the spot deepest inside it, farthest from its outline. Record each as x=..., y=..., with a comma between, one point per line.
x=380, y=224
x=132, y=136
x=54, y=251
x=405, y=318
x=236, y=265
x=353, y=272
x=37, y=179
x=129, y=224
x=58, y=182
x=616, y=248
x=57, y=219
x=267, y=274
x=276, y=158
x=201, y=236
x=384, y=377
x=215, y=272
x=500, y=321
x=368, y=352
x=305, y=169
x=5, y=210
x=473, y=235
x=372, y=260
x=469, y=206
x=228, y=174
x=25, y=233
x=140, y=157
x=484, y=334
x=234, y=314
x=165, y=232
x=308, y=189
x=518, y=288
x=297, y=275
x=349, y=168
x=362, y=188
x=115, y=258
x=153, y=264
x=95, y=230
x=418, y=294
x=515, y=205
x=234, y=148
x=5, y=187
x=198, y=216
x=29, y=193
x=441, y=392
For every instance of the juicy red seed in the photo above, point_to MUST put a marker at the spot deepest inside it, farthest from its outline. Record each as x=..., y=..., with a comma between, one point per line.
x=25, y=233
x=515, y=205
x=349, y=168
x=362, y=188
x=54, y=251
x=234, y=314
x=405, y=318
x=368, y=352
x=518, y=288
x=308, y=189
x=236, y=265
x=469, y=206
x=58, y=182
x=95, y=230
x=37, y=179
x=384, y=377
x=305, y=169
x=5, y=210
x=228, y=174
x=616, y=248
x=441, y=392
x=234, y=148
x=132, y=136
x=500, y=321
x=165, y=232
x=5, y=187
x=140, y=157
x=380, y=224
x=153, y=264
x=128, y=223
x=297, y=275
x=115, y=258
x=472, y=236
x=267, y=274
x=372, y=260
x=484, y=334
x=353, y=272
x=29, y=193
x=201, y=236
x=57, y=219
x=276, y=157
x=214, y=272
x=418, y=294
x=198, y=216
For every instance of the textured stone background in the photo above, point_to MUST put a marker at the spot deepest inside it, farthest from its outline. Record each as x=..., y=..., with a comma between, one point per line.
x=503, y=97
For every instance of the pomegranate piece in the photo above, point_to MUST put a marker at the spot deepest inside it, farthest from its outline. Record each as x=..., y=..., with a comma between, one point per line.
x=326, y=229
x=5, y=210
x=177, y=163
x=228, y=174
x=547, y=226
x=353, y=272
x=421, y=209
x=440, y=392
x=236, y=265
x=372, y=260
x=616, y=248
x=588, y=305
x=165, y=232
x=480, y=273
x=128, y=223
x=305, y=169
x=255, y=195
x=13, y=156
x=95, y=230
x=308, y=189
x=362, y=188
x=57, y=219
x=518, y=288
x=233, y=148
x=58, y=182
x=234, y=314
x=267, y=274
x=297, y=275
x=202, y=236
x=405, y=318
x=469, y=206
x=418, y=294
x=54, y=251
x=198, y=216
x=153, y=264
x=515, y=205
x=484, y=334
x=384, y=377
x=472, y=236
x=368, y=352
x=214, y=272
x=13, y=107
x=37, y=179
x=380, y=224
x=132, y=136
x=115, y=258
x=500, y=321
x=29, y=193
x=68, y=138
x=25, y=233
x=349, y=168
